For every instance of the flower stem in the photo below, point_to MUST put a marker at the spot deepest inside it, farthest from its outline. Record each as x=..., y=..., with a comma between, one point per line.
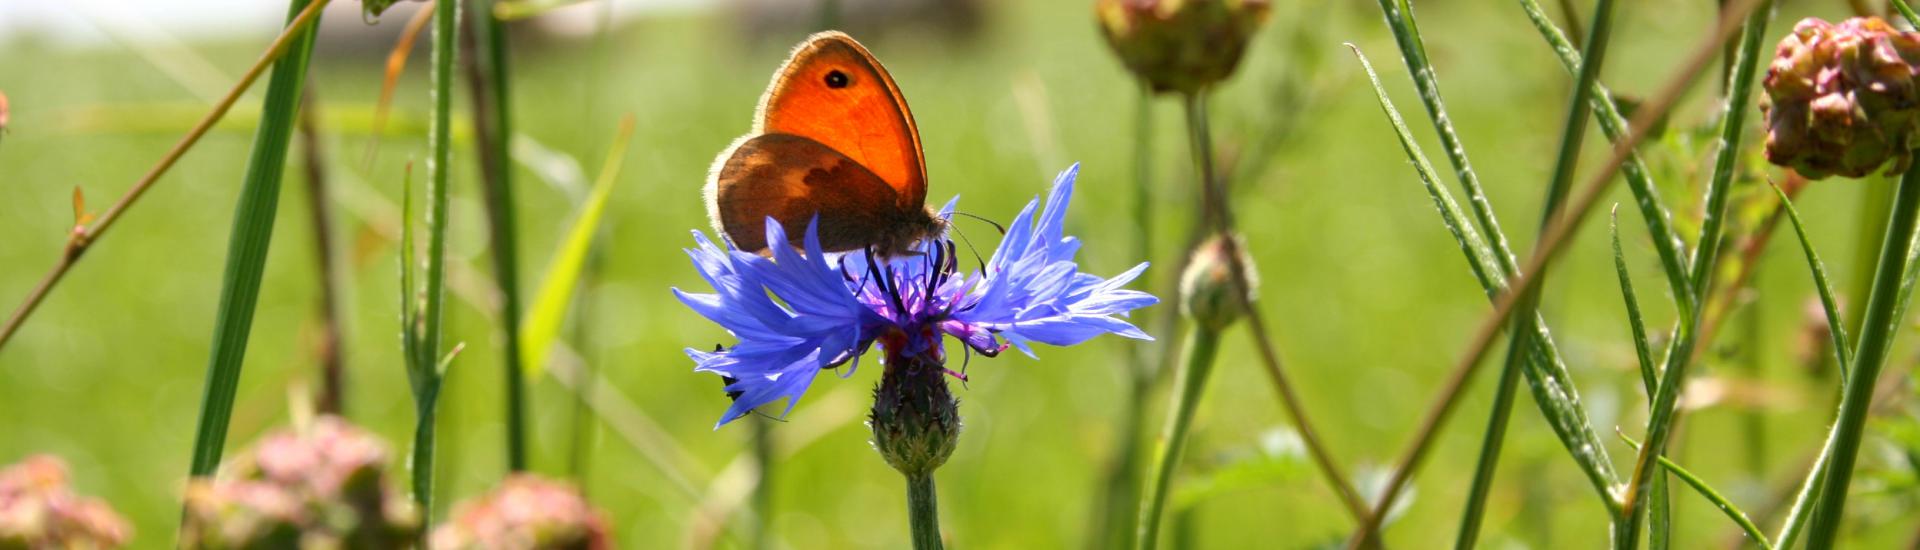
x=1202, y=345
x=247, y=245
x=923, y=511
x=1120, y=500
x=1870, y=354
x=1221, y=218
x=760, y=536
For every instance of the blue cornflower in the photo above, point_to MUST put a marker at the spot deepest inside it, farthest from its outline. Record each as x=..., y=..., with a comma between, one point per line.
x=795, y=315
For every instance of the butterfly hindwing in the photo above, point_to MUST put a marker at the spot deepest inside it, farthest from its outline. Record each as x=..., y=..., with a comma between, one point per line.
x=791, y=179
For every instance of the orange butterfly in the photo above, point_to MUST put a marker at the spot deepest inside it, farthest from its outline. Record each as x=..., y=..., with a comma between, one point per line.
x=832, y=138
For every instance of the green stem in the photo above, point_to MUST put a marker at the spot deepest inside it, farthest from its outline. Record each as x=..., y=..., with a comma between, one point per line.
x=1202, y=344
x=426, y=366
x=446, y=17
x=1521, y=342
x=247, y=247
x=494, y=122
x=425, y=403
x=1870, y=354
x=761, y=530
x=923, y=511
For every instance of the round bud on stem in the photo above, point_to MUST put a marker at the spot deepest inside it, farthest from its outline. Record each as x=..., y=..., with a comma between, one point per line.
x=1841, y=99
x=1180, y=45
x=916, y=421
x=1207, y=288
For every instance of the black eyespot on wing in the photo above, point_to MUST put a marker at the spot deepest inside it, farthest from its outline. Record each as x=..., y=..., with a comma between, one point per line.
x=837, y=79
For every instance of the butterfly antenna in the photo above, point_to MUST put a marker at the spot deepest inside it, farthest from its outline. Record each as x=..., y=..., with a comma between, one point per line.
x=970, y=248
x=996, y=225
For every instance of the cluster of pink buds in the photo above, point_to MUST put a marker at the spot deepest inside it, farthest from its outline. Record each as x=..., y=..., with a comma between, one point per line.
x=525, y=511
x=38, y=510
x=1841, y=99
x=323, y=487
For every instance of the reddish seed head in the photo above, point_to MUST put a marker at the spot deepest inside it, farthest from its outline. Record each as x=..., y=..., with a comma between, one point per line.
x=1841, y=98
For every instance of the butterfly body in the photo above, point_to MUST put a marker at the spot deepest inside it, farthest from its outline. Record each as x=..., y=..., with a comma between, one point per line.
x=833, y=144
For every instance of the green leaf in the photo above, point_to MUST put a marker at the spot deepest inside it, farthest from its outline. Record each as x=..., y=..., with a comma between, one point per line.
x=549, y=308
x=1641, y=349
x=1700, y=486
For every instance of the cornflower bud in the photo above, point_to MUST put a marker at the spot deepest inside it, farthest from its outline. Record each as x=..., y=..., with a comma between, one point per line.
x=1207, y=288
x=916, y=420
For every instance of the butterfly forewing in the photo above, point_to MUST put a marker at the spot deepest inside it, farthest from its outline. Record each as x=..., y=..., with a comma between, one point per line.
x=834, y=91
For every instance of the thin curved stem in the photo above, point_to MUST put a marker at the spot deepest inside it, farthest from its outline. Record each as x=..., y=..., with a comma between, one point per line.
x=1222, y=218
x=84, y=237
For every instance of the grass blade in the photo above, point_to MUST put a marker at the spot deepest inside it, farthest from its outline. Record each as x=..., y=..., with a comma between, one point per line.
x=1706, y=255
x=549, y=308
x=1641, y=349
x=1660, y=530
x=1835, y=326
x=1545, y=357
x=1646, y=195
x=1478, y=257
x=247, y=246
x=1413, y=51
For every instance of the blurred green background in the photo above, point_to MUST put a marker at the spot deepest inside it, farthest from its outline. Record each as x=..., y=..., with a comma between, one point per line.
x=1366, y=294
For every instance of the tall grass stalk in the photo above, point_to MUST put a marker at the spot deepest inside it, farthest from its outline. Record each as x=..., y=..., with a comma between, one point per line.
x=1549, y=248
x=489, y=82
x=1544, y=365
x=1520, y=344
x=83, y=237
x=1877, y=330
x=1680, y=353
x=247, y=245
